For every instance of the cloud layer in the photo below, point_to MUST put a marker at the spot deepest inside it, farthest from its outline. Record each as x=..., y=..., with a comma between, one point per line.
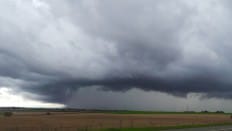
x=51, y=48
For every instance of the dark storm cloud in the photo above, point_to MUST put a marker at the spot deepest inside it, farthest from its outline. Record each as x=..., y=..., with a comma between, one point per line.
x=52, y=48
x=197, y=84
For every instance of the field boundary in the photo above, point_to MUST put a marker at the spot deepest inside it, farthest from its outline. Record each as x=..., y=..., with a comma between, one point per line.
x=165, y=127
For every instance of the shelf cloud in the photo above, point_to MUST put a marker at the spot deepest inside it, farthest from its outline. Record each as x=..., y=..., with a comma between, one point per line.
x=52, y=48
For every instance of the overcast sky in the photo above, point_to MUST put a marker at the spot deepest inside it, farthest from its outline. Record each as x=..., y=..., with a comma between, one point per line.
x=116, y=54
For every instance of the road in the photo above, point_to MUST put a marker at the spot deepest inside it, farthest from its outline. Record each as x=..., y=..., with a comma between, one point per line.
x=218, y=128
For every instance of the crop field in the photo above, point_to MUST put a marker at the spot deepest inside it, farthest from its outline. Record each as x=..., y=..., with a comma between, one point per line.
x=73, y=121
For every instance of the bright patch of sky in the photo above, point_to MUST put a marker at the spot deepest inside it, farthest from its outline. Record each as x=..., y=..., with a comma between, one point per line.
x=8, y=98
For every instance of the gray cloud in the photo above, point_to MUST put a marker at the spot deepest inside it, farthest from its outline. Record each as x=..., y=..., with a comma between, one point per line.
x=52, y=48
x=136, y=99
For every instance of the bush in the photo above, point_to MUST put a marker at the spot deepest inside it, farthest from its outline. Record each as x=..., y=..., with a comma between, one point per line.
x=7, y=114
x=205, y=111
x=48, y=113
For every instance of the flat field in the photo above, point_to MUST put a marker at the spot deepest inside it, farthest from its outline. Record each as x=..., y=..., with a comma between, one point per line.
x=73, y=121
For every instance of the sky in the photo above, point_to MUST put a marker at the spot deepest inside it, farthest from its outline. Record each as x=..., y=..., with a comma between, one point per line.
x=119, y=54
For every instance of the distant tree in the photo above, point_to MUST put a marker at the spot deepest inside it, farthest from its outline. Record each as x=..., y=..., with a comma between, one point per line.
x=219, y=112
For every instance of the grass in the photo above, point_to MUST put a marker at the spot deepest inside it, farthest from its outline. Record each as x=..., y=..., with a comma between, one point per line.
x=1, y=114
x=165, y=128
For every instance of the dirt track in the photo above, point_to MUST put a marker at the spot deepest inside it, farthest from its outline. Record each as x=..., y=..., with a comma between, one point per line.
x=40, y=120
